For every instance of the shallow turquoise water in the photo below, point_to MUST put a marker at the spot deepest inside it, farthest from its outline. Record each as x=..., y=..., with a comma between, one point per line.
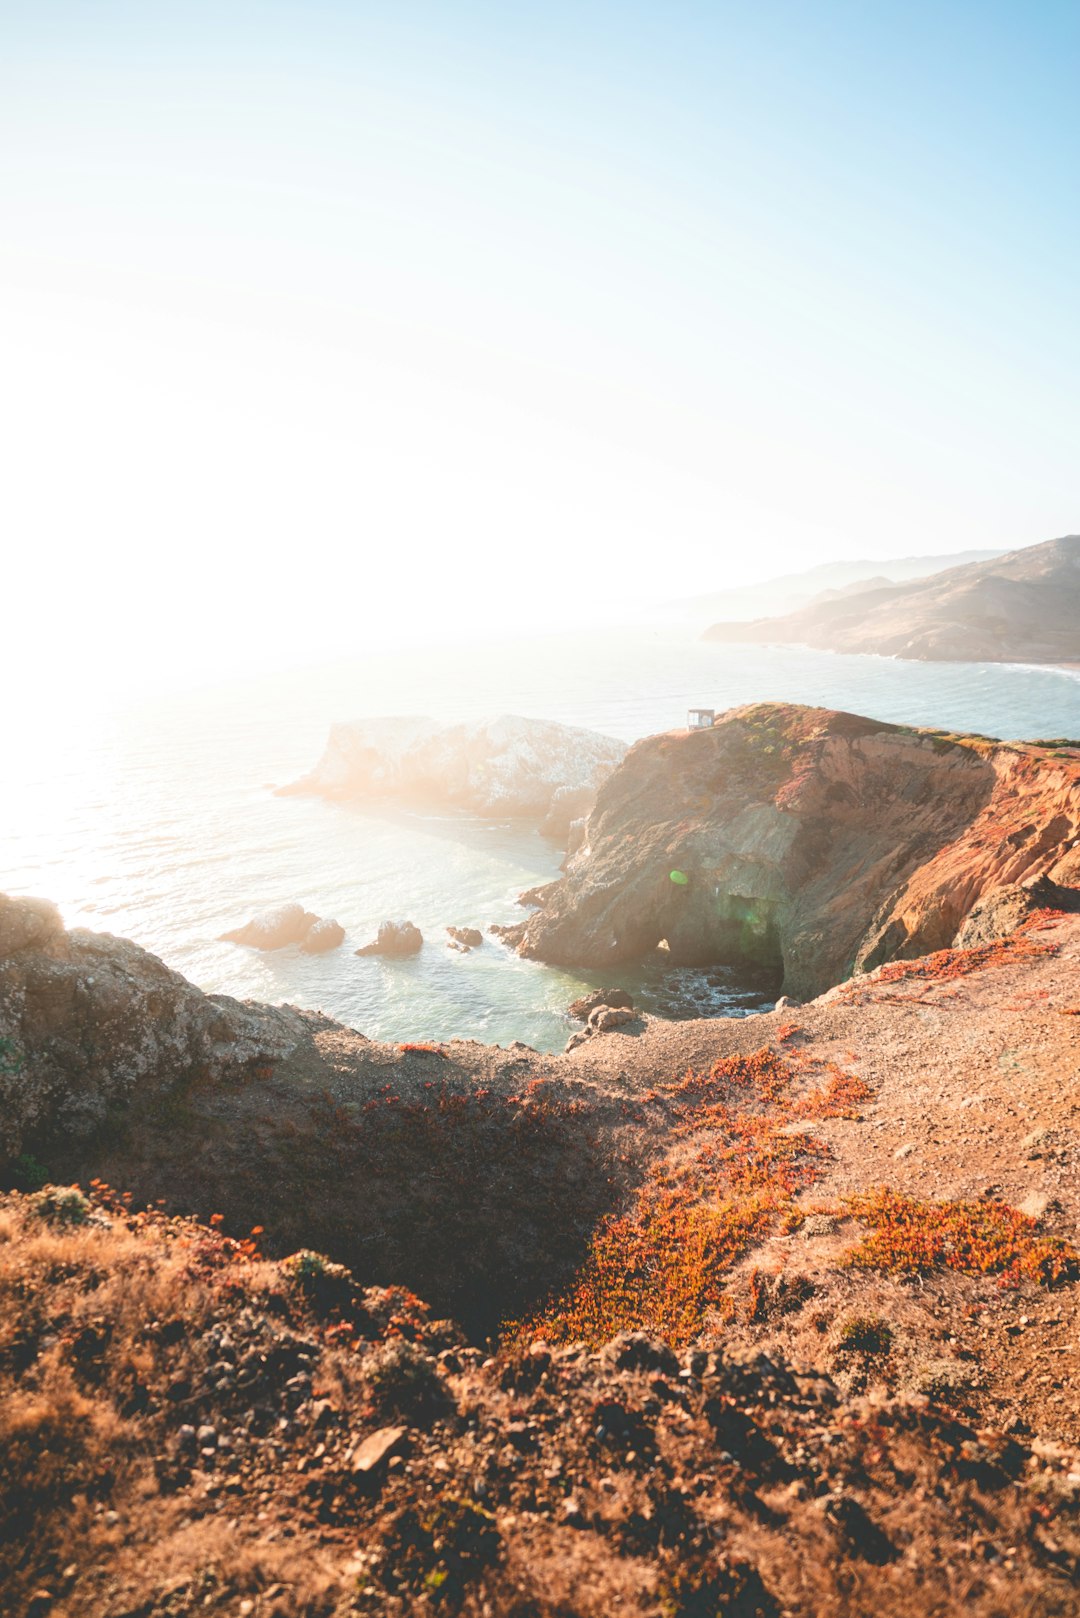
x=158, y=824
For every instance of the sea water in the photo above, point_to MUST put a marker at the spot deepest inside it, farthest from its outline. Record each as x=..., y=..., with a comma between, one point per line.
x=157, y=821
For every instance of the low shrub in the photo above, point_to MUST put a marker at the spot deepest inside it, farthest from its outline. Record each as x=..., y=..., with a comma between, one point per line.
x=62, y=1205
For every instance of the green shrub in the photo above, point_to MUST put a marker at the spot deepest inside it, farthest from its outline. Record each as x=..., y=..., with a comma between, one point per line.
x=865, y=1334
x=27, y=1174
x=62, y=1205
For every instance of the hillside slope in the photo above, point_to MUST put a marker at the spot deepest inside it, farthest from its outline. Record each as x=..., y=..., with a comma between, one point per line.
x=1022, y=607
x=859, y=1220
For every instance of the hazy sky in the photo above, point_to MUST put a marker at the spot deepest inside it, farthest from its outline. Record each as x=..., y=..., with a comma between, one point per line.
x=324, y=325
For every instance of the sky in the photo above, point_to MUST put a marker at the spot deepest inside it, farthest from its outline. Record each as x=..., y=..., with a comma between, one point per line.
x=327, y=327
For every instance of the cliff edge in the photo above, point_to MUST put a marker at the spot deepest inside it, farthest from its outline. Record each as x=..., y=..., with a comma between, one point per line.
x=811, y=842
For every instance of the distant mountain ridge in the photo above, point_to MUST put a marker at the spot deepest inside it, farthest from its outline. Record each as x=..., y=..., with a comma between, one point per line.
x=1021, y=606
x=790, y=591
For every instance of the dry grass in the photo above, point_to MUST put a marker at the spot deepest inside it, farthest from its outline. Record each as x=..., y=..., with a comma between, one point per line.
x=546, y=1484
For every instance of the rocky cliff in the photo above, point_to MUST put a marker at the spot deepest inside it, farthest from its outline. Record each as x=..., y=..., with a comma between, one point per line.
x=1022, y=607
x=505, y=766
x=90, y=1024
x=811, y=842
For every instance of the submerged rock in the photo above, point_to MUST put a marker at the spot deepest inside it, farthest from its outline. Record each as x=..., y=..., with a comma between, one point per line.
x=395, y=938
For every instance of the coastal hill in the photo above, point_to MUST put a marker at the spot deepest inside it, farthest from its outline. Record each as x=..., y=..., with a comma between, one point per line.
x=1020, y=607
x=790, y=591
x=532, y=768
x=820, y=1268
x=810, y=842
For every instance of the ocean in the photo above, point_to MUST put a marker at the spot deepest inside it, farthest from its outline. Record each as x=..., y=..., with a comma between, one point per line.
x=158, y=821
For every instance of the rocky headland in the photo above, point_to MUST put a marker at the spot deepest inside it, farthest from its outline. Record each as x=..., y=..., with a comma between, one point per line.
x=509, y=766
x=1020, y=607
x=784, y=1307
x=811, y=842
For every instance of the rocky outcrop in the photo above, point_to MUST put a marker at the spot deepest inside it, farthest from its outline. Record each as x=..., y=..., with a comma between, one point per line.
x=87, y=1020
x=583, y=1008
x=810, y=842
x=465, y=938
x=288, y=924
x=396, y=939
x=1004, y=909
x=507, y=766
x=1023, y=607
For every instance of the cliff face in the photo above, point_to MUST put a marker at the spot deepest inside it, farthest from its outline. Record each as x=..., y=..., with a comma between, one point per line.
x=504, y=766
x=811, y=842
x=1023, y=607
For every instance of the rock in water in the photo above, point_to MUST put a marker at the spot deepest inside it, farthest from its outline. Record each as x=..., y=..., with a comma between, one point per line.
x=289, y=924
x=322, y=936
x=465, y=938
x=395, y=938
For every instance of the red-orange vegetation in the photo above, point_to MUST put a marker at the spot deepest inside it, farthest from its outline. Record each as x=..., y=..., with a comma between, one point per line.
x=976, y=1238
x=945, y=965
x=664, y=1263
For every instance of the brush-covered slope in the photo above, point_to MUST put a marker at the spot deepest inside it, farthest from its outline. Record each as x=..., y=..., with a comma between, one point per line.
x=1023, y=607
x=186, y=1427
x=812, y=842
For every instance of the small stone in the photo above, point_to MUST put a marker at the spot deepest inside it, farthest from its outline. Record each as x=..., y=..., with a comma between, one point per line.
x=207, y=1437
x=376, y=1449
x=904, y=1151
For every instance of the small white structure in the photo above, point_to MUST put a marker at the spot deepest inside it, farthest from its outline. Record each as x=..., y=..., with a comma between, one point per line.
x=700, y=718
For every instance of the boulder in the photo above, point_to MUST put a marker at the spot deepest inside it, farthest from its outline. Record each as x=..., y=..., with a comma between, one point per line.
x=274, y=929
x=605, y=1018
x=396, y=939
x=322, y=936
x=465, y=938
x=583, y=1009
